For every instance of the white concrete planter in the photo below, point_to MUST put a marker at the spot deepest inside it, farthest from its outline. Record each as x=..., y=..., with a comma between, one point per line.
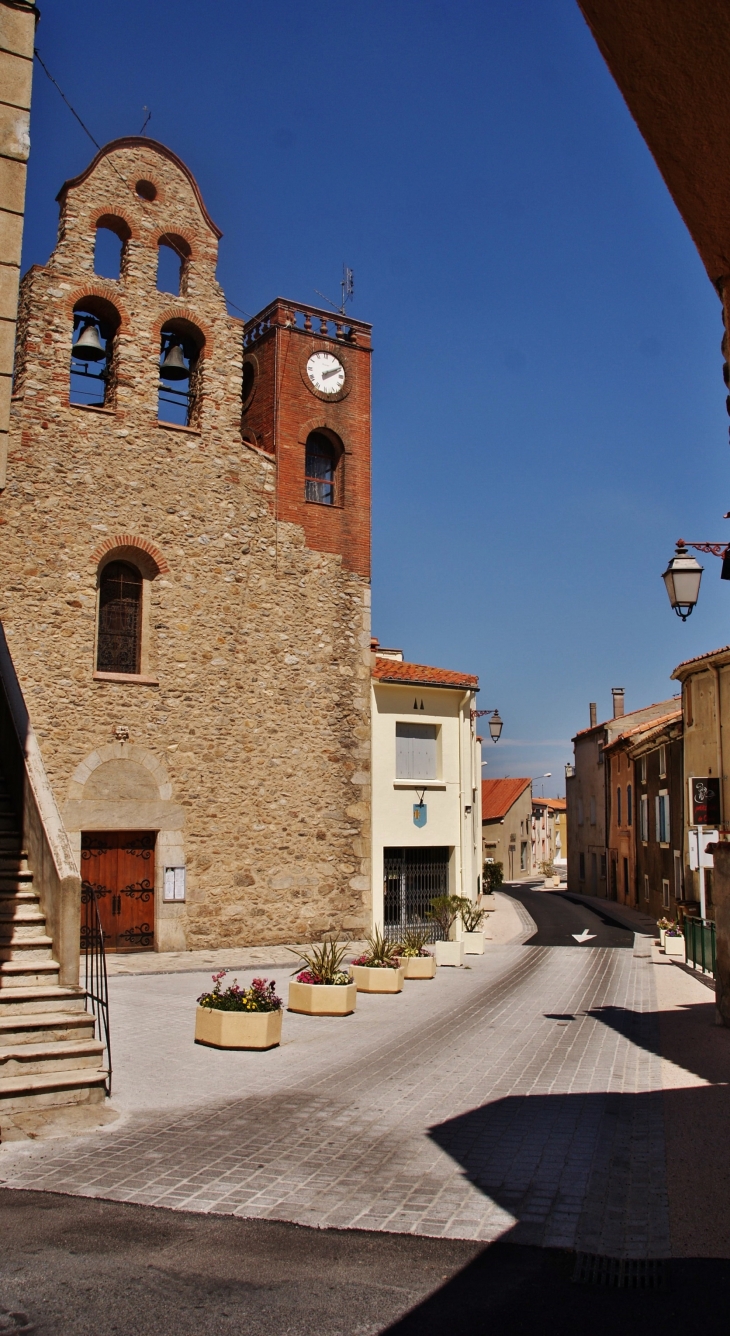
x=449, y=953
x=662, y=935
x=369, y=979
x=674, y=946
x=322, y=999
x=488, y=902
x=237, y=1029
x=473, y=943
x=418, y=967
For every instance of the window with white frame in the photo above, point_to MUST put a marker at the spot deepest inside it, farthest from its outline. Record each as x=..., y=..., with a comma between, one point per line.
x=662, y=817
x=644, y=817
x=662, y=762
x=665, y=894
x=643, y=770
x=416, y=751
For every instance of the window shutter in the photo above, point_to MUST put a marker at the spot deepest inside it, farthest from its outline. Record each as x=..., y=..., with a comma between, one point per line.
x=415, y=751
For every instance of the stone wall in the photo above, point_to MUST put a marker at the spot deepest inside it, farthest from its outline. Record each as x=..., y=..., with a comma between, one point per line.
x=254, y=690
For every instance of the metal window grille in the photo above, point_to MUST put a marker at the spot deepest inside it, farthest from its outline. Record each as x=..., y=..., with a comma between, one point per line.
x=320, y=471
x=412, y=879
x=120, y=604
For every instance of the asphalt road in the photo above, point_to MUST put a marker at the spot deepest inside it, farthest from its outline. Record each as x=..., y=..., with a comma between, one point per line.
x=558, y=918
x=71, y=1266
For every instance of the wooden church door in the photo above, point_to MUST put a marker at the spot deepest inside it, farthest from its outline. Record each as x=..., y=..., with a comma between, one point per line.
x=119, y=865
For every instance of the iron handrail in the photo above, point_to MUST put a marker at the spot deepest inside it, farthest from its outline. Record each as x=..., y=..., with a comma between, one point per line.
x=95, y=978
x=700, y=936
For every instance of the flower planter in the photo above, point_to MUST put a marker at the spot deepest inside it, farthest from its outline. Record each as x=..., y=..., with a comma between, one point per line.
x=418, y=967
x=488, y=902
x=473, y=943
x=449, y=953
x=674, y=946
x=370, y=979
x=237, y=1029
x=322, y=999
x=662, y=935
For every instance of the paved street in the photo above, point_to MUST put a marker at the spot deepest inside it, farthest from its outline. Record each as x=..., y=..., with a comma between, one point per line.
x=518, y=1098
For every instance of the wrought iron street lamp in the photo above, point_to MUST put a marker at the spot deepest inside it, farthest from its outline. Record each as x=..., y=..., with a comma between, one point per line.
x=495, y=723
x=683, y=575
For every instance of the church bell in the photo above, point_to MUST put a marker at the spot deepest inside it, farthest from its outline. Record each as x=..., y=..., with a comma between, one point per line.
x=88, y=347
x=173, y=367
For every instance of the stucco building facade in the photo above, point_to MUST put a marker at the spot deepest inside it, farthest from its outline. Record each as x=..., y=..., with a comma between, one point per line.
x=426, y=788
x=507, y=826
x=185, y=550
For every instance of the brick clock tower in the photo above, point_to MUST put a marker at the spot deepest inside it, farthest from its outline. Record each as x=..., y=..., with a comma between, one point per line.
x=306, y=388
x=185, y=552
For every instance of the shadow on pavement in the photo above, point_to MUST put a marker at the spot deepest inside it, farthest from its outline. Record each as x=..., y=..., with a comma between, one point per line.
x=509, y=1290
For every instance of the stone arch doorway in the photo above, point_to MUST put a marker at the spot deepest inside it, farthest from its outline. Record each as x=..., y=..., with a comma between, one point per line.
x=125, y=829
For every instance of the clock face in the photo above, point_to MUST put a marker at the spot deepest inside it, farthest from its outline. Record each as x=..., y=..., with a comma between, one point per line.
x=326, y=373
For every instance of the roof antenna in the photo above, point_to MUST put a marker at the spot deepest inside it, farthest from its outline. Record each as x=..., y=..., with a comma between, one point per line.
x=146, y=119
x=347, y=284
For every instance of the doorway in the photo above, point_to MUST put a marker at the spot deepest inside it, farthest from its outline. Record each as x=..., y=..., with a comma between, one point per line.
x=412, y=879
x=119, y=867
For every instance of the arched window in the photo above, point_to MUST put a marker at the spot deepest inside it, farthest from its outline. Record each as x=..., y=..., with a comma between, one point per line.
x=95, y=323
x=120, y=619
x=321, y=473
x=173, y=252
x=112, y=234
x=179, y=392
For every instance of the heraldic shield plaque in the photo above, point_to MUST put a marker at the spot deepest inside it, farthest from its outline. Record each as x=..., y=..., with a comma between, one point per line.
x=420, y=814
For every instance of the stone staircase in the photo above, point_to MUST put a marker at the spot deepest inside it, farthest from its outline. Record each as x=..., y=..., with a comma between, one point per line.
x=48, y=1054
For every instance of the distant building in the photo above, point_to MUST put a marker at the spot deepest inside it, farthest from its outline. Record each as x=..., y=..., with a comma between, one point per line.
x=426, y=800
x=586, y=794
x=548, y=832
x=643, y=767
x=507, y=825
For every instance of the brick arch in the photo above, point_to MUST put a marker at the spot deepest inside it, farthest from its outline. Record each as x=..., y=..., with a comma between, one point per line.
x=322, y=423
x=127, y=541
x=180, y=312
x=105, y=216
x=98, y=288
x=188, y=235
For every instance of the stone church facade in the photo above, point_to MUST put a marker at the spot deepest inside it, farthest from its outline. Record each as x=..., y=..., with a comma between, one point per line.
x=185, y=559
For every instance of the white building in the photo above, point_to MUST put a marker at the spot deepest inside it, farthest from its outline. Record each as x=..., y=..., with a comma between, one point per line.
x=426, y=795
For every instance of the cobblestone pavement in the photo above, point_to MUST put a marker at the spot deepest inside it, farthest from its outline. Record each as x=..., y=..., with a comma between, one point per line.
x=467, y=1107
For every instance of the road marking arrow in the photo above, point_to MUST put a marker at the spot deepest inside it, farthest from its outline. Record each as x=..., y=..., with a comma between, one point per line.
x=583, y=937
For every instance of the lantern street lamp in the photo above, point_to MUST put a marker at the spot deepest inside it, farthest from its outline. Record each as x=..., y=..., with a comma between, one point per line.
x=495, y=723
x=682, y=577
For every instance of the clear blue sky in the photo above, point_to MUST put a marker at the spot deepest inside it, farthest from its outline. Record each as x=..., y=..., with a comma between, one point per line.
x=548, y=411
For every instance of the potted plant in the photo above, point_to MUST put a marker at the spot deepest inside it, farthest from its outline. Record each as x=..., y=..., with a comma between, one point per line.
x=674, y=942
x=240, y=1018
x=472, y=917
x=378, y=969
x=663, y=924
x=323, y=988
x=444, y=911
x=415, y=961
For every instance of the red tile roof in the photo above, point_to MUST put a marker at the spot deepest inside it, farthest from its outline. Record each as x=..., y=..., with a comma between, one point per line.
x=498, y=795
x=555, y=804
x=725, y=649
x=647, y=726
x=419, y=675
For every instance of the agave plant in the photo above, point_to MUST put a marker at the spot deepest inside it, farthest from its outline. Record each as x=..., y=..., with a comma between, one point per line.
x=323, y=963
x=444, y=911
x=381, y=954
x=414, y=943
x=471, y=916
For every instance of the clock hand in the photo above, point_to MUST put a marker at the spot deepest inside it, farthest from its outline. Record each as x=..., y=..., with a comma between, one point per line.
x=326, y=374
